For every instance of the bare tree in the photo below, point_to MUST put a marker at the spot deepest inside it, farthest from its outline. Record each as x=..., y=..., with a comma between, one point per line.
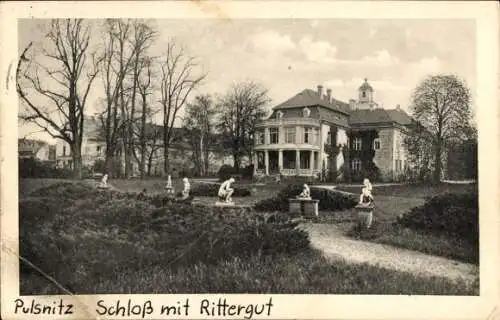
x=240, y=109
x=63, y=83
x=177, y=82
x=441, y=103
x=200, y=121
x=125, y=49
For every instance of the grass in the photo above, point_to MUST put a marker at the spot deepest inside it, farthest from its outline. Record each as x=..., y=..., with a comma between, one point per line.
x=309, y=273
x=395, y=200
x=107, y=257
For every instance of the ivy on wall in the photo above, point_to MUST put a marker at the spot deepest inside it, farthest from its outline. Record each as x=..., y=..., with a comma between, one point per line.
x=365, y=155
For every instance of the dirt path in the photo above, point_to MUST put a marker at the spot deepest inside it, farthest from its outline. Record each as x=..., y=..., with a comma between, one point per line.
x=330, y=240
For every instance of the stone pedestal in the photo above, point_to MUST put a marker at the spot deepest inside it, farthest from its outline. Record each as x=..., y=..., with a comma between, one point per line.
x=304, y=207
x=365, y=215
x=224, y=204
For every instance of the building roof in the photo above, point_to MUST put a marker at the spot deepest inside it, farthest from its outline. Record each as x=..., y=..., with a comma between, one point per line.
x=309, y=98
x=30, y=146
x=379, y=116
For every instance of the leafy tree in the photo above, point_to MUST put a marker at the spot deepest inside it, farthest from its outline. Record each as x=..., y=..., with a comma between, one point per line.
x=441, y=103
x=240, y=109
x=200, y=121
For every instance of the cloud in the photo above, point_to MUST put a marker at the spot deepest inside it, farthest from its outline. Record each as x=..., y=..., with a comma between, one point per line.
x=272, y=41
x=317, y=51
x=381, y=58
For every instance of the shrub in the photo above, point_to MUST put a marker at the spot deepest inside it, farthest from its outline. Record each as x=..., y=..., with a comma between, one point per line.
x=247, y=172
x=328, y=199
x=87, y=235
x=225, y=172
x=212, y=190
x=451, y=214
x=32, y=168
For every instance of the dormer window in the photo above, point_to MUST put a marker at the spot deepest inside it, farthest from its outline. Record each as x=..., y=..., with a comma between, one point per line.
x=306, y=112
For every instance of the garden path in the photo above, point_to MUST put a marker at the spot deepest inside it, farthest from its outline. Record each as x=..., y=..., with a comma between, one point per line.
x=329, y=239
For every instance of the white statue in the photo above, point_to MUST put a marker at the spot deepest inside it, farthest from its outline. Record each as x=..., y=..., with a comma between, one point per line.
x=104, y=181
x=306, y=193
x=225, y=191
x=169, y=187
x=366, y=193
x=187, y=188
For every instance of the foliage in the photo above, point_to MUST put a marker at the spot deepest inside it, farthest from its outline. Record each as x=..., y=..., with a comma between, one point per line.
x=328, y=199
x=247, y=172
x=225, y=172
x=33, y=168
x=240, y=109
x=212, y=190
x=365, y=155
x=99, y=233
x=441, y=103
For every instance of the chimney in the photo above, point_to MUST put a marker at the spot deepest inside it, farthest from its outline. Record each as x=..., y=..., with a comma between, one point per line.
x=320, y=90
x=329, y=95
x=398, y=107
x=352, y=103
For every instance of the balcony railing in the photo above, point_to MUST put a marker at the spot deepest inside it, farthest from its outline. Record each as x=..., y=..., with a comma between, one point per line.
x=289, y=121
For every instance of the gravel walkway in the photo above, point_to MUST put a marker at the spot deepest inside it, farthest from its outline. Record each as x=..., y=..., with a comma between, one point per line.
x=330, y=240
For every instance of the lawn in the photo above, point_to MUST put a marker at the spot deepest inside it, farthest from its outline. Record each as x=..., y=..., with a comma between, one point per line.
x=102, y=242
x=392, y=202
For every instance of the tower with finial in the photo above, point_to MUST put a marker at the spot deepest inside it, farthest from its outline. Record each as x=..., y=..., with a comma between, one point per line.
x=365, y=96
x=365, y=92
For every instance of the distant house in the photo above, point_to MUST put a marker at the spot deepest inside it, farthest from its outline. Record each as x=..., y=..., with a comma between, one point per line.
x=36, y=149
x=93, y=145
x=313, y=133
x=180, y=151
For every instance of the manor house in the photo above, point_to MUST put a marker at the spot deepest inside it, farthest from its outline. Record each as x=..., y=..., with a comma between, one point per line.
x=313, y=133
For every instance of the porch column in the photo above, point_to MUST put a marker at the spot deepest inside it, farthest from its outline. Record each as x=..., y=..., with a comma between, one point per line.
x=266, y=159
x=255, y=163
x=297, y=161
x=311, y=161
x=280, y=160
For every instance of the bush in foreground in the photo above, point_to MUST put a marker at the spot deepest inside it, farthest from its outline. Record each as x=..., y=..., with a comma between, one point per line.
x=212, y=190
x=328, y=199
x=106, y=232
x=454, y=215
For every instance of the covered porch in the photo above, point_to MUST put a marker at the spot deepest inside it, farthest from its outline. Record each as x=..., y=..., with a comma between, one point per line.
x=287, y=162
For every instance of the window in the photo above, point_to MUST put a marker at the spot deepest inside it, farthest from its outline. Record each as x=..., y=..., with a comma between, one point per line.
x=289, y=135
x=279, y=115
x=64, y=151
x=364, y=94
x=399, y=165
x=274, y=135
x=316, y=136
x=98, y=149
x=356, y=144
x=307, y=135
x=306, y=112
x=260, y=160
x=356, y=165
x=259, y=137
x=376, y=144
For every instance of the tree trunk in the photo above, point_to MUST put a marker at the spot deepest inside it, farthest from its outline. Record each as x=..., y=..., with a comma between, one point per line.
x=77, y=162
x=143, y=137
x=438, y=164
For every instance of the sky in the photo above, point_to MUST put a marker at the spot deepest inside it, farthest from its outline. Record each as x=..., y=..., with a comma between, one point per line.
x=289, y=55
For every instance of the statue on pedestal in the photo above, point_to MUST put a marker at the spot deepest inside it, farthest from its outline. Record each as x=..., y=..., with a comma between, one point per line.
x=187, y=188
x=225, y=191
x=305, y=194
x=104, y=182
x=365, y=206
x=169, y=188
x=366, y=197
